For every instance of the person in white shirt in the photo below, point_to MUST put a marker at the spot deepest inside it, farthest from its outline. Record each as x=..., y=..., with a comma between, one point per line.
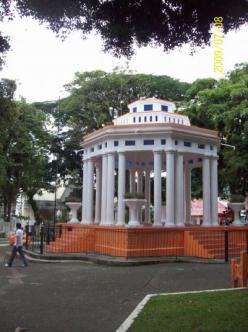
x=18, y=246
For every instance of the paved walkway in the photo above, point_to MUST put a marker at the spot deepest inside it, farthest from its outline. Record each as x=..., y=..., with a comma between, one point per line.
x=81, y=297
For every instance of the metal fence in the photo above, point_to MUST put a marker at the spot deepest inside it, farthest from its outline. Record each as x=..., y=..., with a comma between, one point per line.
x=40, y=237
x=221, y=243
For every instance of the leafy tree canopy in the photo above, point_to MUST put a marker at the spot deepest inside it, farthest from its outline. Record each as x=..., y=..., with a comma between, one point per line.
x=223, y=106
x=24, y=148
x=96, y=97
x=124, y=23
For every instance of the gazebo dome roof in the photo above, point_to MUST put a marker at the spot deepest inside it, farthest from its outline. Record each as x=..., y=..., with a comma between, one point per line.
x=151, y=110
x=156, y=104
x=145, y=131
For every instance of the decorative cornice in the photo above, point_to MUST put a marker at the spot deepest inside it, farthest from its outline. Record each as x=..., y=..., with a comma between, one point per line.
x=170, y=150
x=143, y=129
x=151, y=99
x=158, y=150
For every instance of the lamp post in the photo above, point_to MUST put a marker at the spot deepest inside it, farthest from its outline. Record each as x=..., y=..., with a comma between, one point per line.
x=55, y=194
x=56, y=170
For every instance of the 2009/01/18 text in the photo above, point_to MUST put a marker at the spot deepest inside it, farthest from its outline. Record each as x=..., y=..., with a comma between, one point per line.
x=217, y=40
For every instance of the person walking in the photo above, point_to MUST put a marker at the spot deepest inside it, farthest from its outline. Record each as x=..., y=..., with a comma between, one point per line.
x=17, y=246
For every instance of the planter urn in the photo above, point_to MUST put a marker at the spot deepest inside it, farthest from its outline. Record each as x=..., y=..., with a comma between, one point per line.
x=74, y=206
x=236, y=208
x=134, y=205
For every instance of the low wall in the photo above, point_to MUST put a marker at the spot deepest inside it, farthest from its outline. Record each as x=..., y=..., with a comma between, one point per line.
x=139, y=242
x=197, y=241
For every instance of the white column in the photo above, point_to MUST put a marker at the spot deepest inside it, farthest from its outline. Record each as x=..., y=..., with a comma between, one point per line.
x=157, y=188
x=132, y=180
x=170, y=178
x=206, y=192
x=98, y=193
x=187, y=181
x=148, y=197
x=140, y=182
x=121, y=188
x=179, y=191
x=214, y=191
x=104, y=188
x=89, y=192
x=110, y=189
x=140, y=190
x=84, y=198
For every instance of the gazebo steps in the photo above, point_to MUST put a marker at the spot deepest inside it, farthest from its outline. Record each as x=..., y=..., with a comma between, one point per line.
x=149, y=241
x=75, y=240
x=212, y=245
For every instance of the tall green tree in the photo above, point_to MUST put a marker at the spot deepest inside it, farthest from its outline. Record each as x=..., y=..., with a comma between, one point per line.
x=223, y=106
x=7, y=114
x=96, y=97
x=65, y=162
x=24, y=144
x=35, y=146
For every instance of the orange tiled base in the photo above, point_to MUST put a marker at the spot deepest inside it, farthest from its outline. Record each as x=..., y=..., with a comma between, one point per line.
x=209, y=242
x=204, y=242
x=239, y=271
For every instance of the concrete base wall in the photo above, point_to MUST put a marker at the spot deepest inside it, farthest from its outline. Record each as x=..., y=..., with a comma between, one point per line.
x=206, y=242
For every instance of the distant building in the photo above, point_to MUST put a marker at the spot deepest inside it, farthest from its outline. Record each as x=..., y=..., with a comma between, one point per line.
x=45, y=203
x=197, y=211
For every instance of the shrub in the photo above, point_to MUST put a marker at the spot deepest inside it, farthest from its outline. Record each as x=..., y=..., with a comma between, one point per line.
x=3, y=235
x=237, y=198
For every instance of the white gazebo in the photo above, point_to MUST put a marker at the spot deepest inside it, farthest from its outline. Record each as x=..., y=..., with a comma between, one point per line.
x=150, y=141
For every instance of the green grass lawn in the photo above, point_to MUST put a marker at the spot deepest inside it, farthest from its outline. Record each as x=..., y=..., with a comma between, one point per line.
x=202, y=312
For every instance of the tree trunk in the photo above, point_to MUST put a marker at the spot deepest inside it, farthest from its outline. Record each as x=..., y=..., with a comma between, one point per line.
x=34, y=207
x=9, y=211
x=6, y=209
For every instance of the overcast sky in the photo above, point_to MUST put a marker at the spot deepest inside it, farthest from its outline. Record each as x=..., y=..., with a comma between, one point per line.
x=41, y=63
